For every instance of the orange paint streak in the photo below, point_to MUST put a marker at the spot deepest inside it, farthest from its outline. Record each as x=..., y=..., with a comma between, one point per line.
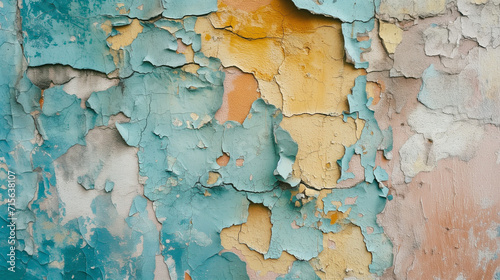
x=240, y=91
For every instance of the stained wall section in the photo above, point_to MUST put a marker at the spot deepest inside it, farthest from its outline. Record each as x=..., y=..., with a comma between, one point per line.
x=263, y=139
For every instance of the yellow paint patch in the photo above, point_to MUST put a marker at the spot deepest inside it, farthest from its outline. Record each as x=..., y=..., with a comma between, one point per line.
x=256, y=232
x=246, y=5
x=262, y=22
x=321, y=140
x=391, y=35
x=311, y=192
x=106, y=26
x=127, y=35
x=212, y=178
x=191, y=68
x=260, y=57
x=298, y=61
x=270, y=91
x=240, y=91
x=291, y=49
x=124, y=11
x=344, y=255
x=194, y=116
x=360, y=124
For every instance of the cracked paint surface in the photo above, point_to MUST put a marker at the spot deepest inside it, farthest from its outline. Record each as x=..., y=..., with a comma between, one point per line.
x=250, y=139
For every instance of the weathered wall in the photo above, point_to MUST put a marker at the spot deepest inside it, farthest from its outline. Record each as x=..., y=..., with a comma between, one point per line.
x=258, y=139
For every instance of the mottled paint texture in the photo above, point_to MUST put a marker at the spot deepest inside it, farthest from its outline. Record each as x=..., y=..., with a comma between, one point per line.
x=230, y=139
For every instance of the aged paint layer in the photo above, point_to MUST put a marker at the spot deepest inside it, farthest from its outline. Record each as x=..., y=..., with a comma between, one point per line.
x=249, y=139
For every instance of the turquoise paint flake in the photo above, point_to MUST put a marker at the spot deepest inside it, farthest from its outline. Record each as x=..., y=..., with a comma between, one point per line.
x=179, y=149
x=61, y=115
x=52, y=35
x=267, y=150
x=300, y=270
x=290, y=231
x=28, y=95
x=287, y=150
x=138, y=205
x=191, y=234
x=380, y=174
x=71, y=33
x=189, y=23
x=79, y=9
x=153, y=47
x=358, y=19
x=190, y=38
x=85, y=255
x=345, y=10
x=372, y=137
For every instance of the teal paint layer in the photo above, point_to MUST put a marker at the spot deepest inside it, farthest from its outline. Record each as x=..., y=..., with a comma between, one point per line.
x=171, y=123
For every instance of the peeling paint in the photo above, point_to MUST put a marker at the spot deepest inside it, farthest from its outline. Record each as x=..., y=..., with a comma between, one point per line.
x=262, y=139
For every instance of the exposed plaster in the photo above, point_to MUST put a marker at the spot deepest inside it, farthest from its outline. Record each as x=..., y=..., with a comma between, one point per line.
x=250, y=140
